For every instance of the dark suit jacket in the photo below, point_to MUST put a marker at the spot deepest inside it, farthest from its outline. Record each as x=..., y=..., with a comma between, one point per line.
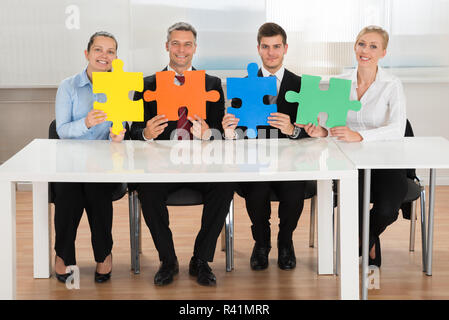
x=290, y=81
x=214, y=110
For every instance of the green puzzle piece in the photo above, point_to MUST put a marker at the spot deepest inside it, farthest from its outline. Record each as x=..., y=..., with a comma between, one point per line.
x=312, y=100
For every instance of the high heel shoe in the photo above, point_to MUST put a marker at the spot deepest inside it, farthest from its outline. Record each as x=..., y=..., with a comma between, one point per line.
x=62, y=277
x=103, y=277
x=377, y=261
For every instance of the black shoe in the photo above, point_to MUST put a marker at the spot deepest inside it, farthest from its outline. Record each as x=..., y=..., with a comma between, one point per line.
x=200, y=269
x=103, y=277
x=259, y=257
x=377, y=261
x=286, y=257
x=166, y=272
x=63, y=277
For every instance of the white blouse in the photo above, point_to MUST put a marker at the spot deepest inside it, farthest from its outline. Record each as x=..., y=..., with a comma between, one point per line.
x=382, y=116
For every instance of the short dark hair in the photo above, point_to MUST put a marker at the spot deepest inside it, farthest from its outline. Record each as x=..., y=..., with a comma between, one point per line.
x=181, y=26
x=101, y=34
x=271, y=29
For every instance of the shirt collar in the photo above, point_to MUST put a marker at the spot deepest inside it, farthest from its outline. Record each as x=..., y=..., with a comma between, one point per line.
x=279, y=74
x=83, y=79
x=381, y=75
x=170, y=69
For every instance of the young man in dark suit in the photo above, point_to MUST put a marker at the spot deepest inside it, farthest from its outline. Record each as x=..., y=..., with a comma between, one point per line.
x=272, y=46
x=181, y=46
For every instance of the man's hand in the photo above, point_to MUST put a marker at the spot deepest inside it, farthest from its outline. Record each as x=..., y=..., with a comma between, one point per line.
x=155, y=126
x=313, y=130
x=282, y=122
x=200, y=129
x=117, y=137
x=229, y=124
x=95, y=117
x=345, y=134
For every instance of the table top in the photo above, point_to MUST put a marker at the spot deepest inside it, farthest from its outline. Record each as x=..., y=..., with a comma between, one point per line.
x=177, y=161
x=408, y=152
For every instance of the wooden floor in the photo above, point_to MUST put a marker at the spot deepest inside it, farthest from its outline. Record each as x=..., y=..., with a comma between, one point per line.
x=401, y=272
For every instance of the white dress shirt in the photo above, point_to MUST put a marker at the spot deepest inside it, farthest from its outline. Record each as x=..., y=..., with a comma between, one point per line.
x=177, y=74
x=279, y=75
x=382, y=116
x=175, y=82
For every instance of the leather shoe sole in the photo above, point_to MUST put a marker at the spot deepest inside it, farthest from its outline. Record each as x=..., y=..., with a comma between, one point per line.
x=289, y=265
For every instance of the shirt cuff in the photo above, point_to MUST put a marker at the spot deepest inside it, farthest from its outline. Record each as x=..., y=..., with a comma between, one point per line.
x=144, y=137
x=230, y=138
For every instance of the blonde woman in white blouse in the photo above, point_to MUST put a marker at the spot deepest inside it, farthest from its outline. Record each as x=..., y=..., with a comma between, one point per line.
x=382, y=117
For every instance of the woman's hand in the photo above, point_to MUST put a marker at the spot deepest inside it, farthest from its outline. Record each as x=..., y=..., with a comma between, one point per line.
x=229, y=124
x=95, y=117
x=345, y=134
x=117, y=137
x=313, y=130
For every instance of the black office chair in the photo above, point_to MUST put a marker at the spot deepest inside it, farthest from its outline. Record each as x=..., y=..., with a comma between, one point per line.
x=181, y=197
x=118, y=193
x=415, y=190
x=309, y=193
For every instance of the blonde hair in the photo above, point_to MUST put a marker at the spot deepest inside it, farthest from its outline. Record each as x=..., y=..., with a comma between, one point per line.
x=379, y=30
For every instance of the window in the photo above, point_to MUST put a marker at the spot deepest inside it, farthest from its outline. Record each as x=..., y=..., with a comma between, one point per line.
x=321, y=34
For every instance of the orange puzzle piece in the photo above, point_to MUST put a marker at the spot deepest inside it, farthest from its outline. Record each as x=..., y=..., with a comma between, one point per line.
x=171, y=97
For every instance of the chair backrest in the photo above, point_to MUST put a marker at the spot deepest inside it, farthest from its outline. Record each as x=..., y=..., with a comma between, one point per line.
x=52, y=133
x=411, y=173
x=309, y=192
x=185, y=197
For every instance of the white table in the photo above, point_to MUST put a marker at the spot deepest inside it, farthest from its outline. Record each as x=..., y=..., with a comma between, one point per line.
x=411, y=152
x=44, y=161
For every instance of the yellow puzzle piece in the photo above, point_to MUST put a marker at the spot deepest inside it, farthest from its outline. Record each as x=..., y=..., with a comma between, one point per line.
x=117, y=85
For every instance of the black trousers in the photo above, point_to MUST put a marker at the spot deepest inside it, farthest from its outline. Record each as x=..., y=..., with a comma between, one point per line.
x=258, y=205
x=216, y=199
x=388, y=190
x=70, y=201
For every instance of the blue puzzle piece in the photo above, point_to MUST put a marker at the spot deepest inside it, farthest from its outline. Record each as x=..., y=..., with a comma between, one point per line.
x=251, y=91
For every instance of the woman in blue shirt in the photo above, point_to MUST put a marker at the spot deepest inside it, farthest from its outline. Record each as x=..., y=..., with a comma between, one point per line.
x=76, y=119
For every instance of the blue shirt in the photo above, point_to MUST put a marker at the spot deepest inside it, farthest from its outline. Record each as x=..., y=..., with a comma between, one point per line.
x=74, y=100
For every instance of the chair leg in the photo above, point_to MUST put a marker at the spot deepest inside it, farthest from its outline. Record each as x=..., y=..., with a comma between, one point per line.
x=336, y=229
x=131, y=226
x=423, y=228
x=223, y=237
x=412, y=227
x=229, y=231
x=136, y=233
x=140, y=228
x=312, y=222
